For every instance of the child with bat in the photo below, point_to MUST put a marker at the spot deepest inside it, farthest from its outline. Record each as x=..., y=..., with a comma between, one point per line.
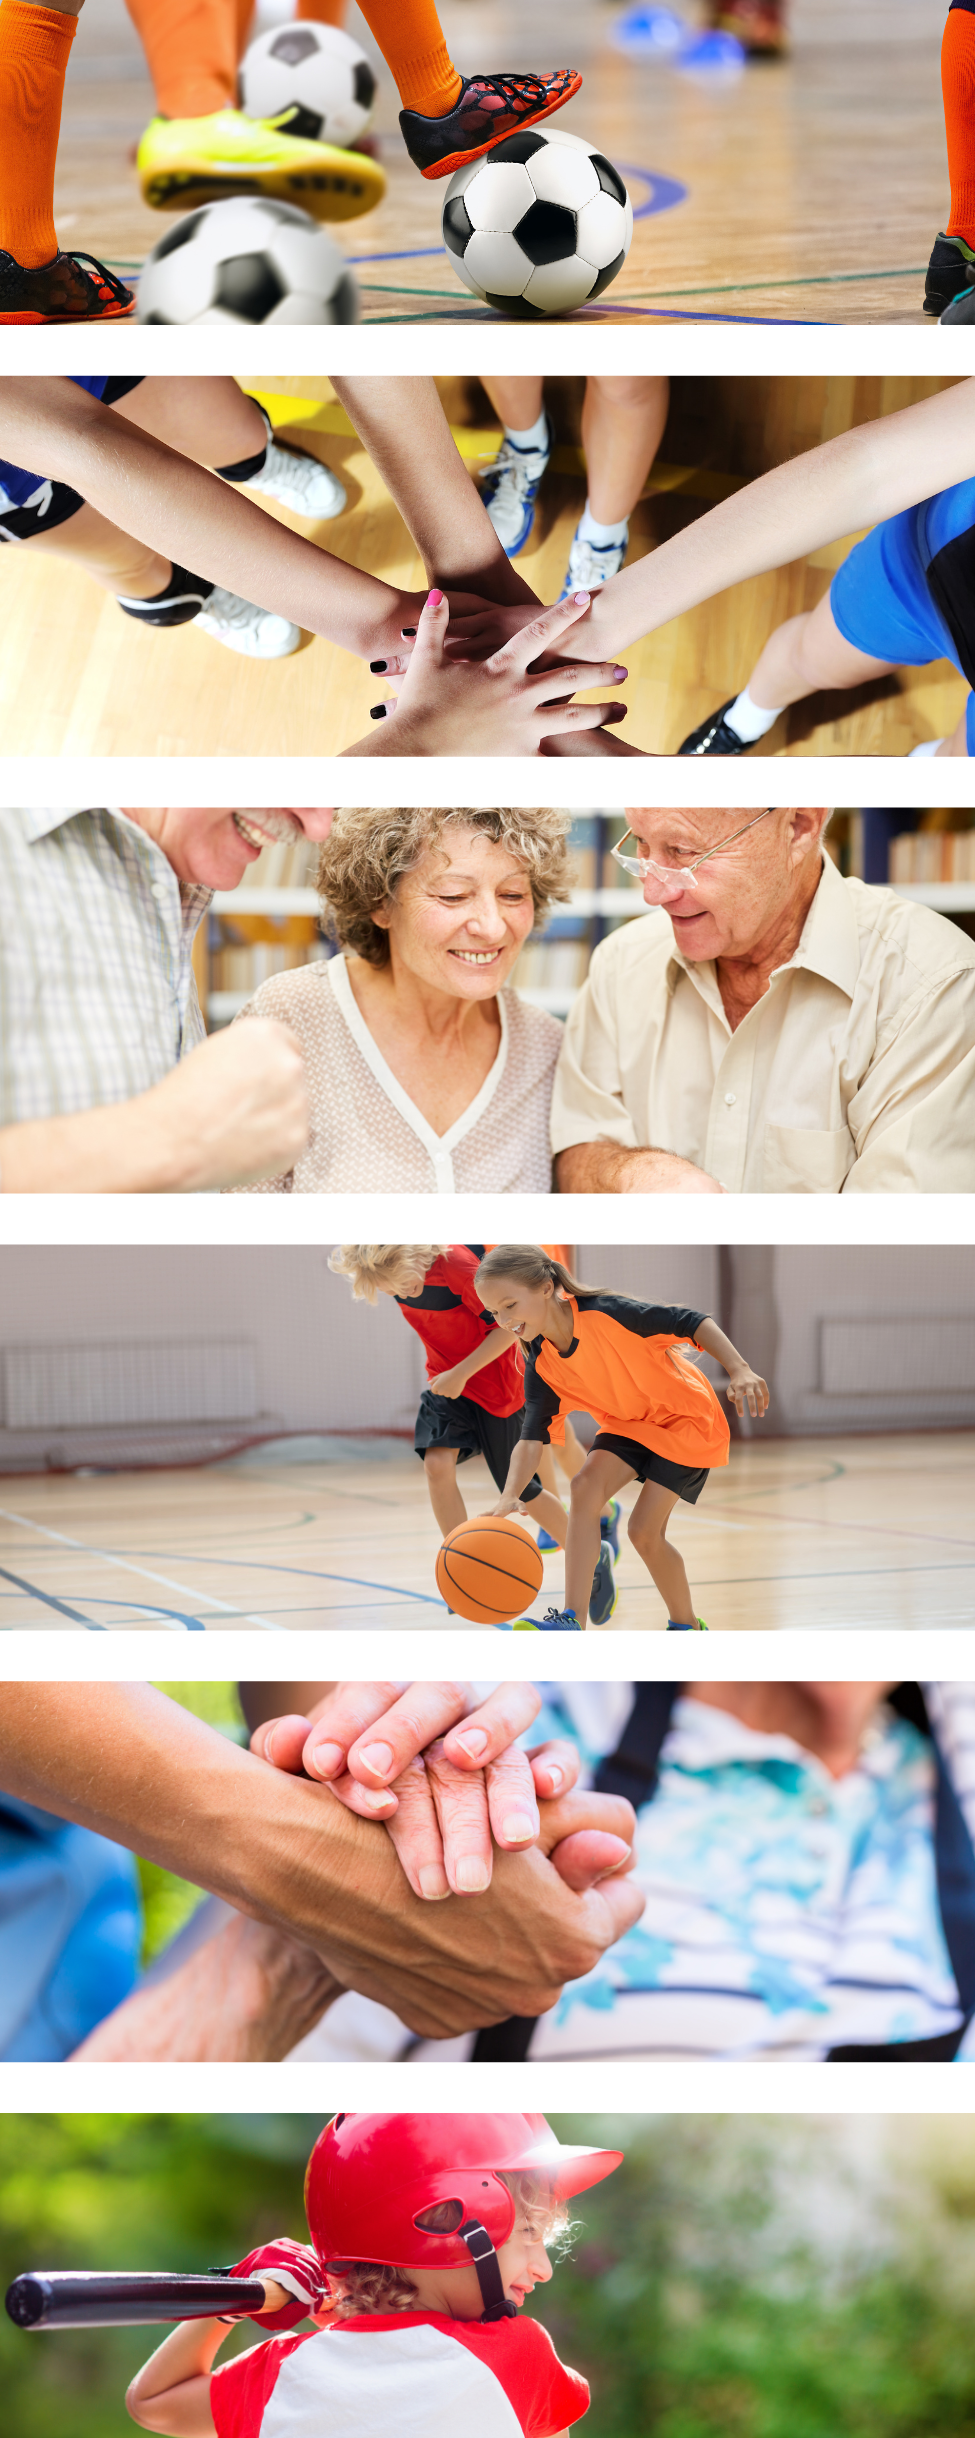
x=428, y=2234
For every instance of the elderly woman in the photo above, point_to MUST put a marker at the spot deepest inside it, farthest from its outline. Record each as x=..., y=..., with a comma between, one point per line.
x=427, y=1072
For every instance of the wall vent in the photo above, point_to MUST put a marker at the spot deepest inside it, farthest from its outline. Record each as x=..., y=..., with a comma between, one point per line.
x=897, y=1356
x=78, y=1387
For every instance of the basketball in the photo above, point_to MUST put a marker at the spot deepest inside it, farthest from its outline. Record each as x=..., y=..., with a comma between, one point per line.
x=488, y=1569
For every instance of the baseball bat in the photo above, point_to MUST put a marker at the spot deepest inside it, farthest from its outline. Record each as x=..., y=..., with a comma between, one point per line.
x=93, y=2298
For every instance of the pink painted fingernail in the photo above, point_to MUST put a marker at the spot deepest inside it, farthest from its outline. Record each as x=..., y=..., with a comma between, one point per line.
x=582, y=600
x=474, y=1742
x=471, y=1874
x=432, y=1881
x=328, y=1758
x=618, y=674
x=519, y=1828
x=378, y=1758
x=434, y=599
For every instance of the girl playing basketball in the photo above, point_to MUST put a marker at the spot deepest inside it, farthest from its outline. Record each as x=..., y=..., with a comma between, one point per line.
x=429, y=2233
x=660, y=1422
x=474, y=1404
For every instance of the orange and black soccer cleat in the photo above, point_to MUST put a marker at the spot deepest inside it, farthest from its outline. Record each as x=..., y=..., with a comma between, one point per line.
x=62, y=291
x=488, y=109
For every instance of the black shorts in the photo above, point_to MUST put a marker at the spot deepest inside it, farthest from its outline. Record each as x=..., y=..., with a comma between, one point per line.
x=456, y=1422
x=686, y=1479
x=20, y=524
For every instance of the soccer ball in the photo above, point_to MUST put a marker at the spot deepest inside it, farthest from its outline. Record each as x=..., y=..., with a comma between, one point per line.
x=247, y=260
x=317, y=73
x=539, y=224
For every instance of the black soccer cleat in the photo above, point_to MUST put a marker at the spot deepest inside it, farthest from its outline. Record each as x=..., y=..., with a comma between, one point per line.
x=951, y=272
x=487, y=109
x=714, y=735
x=70, y=288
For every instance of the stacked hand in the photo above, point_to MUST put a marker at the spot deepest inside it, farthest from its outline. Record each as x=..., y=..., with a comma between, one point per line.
x=493, y=706
x=443, y=1773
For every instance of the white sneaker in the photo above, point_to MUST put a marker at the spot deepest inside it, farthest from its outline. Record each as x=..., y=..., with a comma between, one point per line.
x=591, y=564
x=258, y=634
x=508, y=490
x=298, y=482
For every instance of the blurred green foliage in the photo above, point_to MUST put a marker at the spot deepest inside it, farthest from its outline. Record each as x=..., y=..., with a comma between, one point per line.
x=167, y=1902
x=739, y=2277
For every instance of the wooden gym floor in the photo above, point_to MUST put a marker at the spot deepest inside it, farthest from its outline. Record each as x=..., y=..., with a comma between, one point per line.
x=825, y=1532
x=124, y=689
x=808, y=191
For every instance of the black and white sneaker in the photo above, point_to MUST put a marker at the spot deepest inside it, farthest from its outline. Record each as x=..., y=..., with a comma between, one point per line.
x=714, y=734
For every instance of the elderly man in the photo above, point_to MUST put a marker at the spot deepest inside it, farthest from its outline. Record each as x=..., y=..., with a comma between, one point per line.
x=107, y=1083
x=769, y=1027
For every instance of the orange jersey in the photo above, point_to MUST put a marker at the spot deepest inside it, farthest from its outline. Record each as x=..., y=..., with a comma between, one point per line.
x=624, y=1368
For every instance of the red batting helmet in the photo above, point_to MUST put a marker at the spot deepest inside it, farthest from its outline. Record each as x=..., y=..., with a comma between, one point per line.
x=371, y=2178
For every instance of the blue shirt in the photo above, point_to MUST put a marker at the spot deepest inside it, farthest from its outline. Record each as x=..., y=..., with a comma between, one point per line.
x=70, y=1931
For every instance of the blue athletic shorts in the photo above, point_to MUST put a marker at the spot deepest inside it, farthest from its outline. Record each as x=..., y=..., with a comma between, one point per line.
x=881, y=601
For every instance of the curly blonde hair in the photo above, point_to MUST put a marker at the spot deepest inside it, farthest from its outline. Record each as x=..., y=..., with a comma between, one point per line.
x=373, y=2286
x=371, y=849
x=370, y=1267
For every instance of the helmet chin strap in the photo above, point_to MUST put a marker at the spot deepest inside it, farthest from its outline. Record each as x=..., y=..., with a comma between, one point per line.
x=485, y=2261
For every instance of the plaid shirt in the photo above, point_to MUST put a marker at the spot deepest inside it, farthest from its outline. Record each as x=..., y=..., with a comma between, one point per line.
x=97, y=993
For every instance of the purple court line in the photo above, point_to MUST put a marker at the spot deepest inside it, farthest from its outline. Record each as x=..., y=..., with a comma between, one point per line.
x=664, y=194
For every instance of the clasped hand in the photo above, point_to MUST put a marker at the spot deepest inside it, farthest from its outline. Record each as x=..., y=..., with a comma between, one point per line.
x=443, y=1774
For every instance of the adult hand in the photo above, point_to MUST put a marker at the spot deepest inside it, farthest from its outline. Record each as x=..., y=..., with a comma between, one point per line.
x=234, y=1111
x=493, y=707
x=247, y=1993
x=443, y=1798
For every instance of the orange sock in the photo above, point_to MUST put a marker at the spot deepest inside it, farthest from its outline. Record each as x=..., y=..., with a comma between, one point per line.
x=958, y=88
x=34, y=47
x=410, y=37
x=322, y=12
x=191, y=48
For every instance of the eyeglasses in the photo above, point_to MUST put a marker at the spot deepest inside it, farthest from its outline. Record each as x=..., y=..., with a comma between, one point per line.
x=679, y=875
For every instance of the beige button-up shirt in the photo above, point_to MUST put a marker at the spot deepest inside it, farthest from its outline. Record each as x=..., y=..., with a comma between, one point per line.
x=854, y=1074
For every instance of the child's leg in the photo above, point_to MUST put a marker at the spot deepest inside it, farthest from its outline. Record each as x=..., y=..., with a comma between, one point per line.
x=517, y=400
x=571, y=1454
x=410, y=37
x=210, y=420
x=440, y=1467
x=958, y=89
x=112, y=557
x=34, y=47
x=549, y=1511
x=804, y=654
x=191, y=49
x=648, y=1533
x=322, y=12
x=600, y=1477
x=622, y=427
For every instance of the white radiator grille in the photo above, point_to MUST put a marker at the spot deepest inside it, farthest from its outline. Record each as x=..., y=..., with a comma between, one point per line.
x=132, y=1380
x=897, y=1357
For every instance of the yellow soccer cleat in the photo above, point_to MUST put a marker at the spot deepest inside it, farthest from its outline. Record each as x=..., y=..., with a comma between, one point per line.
x=185, y=162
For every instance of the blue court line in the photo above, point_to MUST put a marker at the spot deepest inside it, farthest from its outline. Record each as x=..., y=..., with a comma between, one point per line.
x=309, y=1574
x=48, y=1601
x=664, y=194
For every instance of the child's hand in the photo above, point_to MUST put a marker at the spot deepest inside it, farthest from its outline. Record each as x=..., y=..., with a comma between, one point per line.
x=746, y=1388
x=294, y=2281
x=450, y=1383
x=506, y=1506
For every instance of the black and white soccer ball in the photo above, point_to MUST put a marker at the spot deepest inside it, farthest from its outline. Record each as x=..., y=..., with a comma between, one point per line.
x=250, y=259
x=318, y=74
x=538, y=225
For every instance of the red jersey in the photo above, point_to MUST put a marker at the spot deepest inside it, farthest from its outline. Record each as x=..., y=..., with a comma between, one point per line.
x=451, y=1320
x=623, y=1367
x=401, y=2374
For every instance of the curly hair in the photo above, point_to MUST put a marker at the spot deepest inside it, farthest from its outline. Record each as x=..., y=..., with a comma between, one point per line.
x=375, y=2286
x=371, y=849
x=370, y=1267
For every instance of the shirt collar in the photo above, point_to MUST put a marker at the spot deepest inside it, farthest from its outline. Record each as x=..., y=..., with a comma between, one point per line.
x=828, y=946
x=194, y=896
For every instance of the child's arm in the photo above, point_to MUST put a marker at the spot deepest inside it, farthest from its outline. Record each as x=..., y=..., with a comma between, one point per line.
x=744, y=1385
x=198, y=521
x=453, y=1383
x=859, y=479
x=524, y=1462
x=401, y=422
x=171, y=2392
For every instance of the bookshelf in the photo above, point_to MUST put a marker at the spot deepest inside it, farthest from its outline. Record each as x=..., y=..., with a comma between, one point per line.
x=270, y=923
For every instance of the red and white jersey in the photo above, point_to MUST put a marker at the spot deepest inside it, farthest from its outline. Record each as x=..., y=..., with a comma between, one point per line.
x=401, y=2374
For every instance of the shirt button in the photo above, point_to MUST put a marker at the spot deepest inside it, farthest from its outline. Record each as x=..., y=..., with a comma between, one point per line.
x=160, y=888
x=729, y=1100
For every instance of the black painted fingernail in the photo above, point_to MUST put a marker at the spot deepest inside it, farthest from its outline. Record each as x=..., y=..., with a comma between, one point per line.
x=407, y=630
x=376, y=668
x=378, y=711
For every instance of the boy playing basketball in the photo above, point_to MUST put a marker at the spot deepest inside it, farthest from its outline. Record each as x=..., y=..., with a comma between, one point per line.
x=659, y=1420
x=429, y=2232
